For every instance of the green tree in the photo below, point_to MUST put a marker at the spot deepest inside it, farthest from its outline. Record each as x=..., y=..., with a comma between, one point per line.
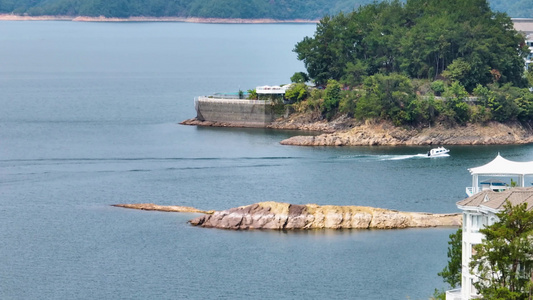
x=458, y=110
x=504, y=260
x=299, y=77
x=252, y=94
x=506, y=103
x=452, y=272
x=332, y=97
x=297, y=92
x=354, y=73
x=387, y=97
x=458, y=70
x=529, y=76
x=438, y=87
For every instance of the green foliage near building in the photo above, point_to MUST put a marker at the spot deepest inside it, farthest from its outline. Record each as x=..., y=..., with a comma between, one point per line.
x=297, y=92
x=452, y=272
x=504, y=260
x=506, y=103
x=394, y=98
x=252, y=94
x=529, y=76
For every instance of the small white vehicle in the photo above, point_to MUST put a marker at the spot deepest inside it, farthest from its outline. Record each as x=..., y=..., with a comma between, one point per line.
x=440, y=151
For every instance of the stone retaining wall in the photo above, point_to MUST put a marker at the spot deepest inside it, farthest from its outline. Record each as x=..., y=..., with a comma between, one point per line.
x=236, y=111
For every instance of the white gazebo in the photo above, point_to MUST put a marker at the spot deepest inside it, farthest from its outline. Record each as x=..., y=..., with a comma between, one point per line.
x=500, y=167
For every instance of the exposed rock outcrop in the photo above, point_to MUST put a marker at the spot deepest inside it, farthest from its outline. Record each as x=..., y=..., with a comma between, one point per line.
x=167, y=208
x=285, y=216
x=386, y=134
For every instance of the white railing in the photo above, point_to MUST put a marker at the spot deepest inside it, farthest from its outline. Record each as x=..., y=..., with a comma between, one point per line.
x=271, y=89
x=453, y=294
x=227, y=100
x=471, y=191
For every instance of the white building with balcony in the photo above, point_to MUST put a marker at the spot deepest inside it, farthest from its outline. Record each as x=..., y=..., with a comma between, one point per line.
x=525, y=25
x=486, y=198
x=480, y=211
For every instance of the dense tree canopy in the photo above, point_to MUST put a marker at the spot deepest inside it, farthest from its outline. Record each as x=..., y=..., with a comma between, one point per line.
x=275, y=9
x=462, y=40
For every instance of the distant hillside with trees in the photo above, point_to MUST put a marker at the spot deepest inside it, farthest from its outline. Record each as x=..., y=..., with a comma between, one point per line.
x=245, y=9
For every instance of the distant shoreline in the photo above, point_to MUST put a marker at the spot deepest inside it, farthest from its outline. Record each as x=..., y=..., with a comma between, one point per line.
x=10, y=17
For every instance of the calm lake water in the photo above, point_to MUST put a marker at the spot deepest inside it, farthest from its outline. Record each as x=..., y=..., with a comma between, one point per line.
x=88, y=118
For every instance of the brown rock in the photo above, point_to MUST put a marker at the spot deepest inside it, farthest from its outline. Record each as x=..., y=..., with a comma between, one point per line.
x=370, y=134
x=283, y=216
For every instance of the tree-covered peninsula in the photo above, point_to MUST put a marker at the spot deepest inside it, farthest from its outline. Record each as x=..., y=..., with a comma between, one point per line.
x=416, y=63
x=244, y=9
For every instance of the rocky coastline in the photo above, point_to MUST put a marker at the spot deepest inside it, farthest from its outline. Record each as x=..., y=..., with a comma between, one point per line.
x=284, y=216
x=345, y=131
x=385, y=134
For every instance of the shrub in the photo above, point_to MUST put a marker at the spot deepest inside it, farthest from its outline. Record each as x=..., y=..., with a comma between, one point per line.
x=332, y=97
x=297, y=92
x=438, y=87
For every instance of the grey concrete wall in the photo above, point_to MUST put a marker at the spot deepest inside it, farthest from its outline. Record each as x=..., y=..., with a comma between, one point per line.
x=235, y=111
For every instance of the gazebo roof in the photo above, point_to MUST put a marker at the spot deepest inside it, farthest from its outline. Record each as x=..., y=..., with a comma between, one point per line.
x=502, y=166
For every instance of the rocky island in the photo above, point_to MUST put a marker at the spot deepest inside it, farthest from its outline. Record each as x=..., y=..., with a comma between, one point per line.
x=285, y=216
x=364, y=93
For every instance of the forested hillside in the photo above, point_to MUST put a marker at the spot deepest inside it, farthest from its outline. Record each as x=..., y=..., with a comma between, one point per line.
x=245, y=9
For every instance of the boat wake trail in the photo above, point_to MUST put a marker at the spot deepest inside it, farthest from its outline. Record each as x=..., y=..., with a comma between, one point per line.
x=401, y=157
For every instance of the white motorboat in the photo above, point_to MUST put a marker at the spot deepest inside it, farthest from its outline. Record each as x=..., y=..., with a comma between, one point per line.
x=436, y=152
